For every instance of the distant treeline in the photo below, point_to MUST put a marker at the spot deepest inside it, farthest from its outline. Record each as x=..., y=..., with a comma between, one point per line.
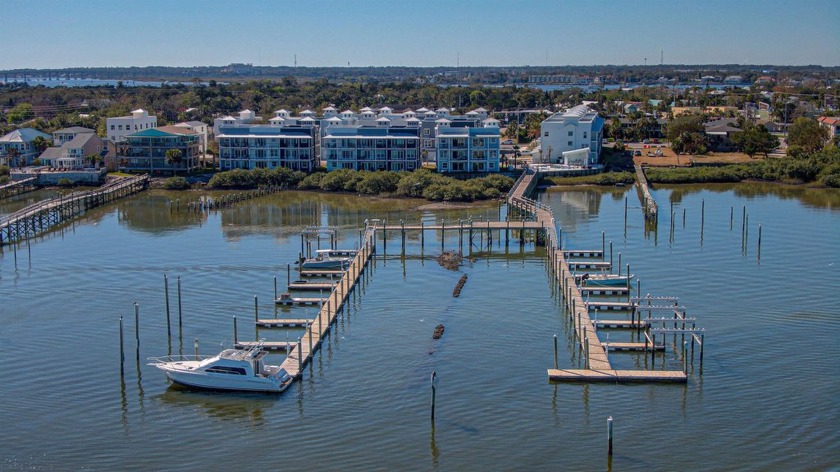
x=421, y=183
x=439, y=74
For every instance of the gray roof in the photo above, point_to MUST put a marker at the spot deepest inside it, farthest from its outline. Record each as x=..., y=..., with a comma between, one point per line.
x=74, y=129
x=51, y=153
x=80, y=140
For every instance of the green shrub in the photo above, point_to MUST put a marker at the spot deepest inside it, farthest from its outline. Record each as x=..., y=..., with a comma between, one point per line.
x=65, y=182
x=4, y=170
x=176, y=183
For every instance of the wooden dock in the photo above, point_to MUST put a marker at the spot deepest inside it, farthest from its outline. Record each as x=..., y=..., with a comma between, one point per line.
x=301, y=352
x=593, y=265
x=267, y=345
x=283, y=322
x=299, y=301
x=17, y=187
x=40, y=217
x=598, y=368
x=604, y=290
x=321, y=273
x=311, y=286
x=617, y=376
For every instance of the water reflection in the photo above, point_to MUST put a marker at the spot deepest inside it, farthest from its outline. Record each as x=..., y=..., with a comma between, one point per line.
x=143, y=213
x=814, y=197
x=221, y=405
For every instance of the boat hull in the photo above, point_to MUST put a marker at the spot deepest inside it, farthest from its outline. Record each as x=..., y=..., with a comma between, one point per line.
x=617, y=281
x=207, y=382
x=324, y=265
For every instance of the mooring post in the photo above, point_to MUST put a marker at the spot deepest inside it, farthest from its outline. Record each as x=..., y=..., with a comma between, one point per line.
x=422, y=236
x=731, y=215
x=256, y=309
x=702, y=345
x=759, y=241
x=275, y=288
x=611, y=254
x=609, y=436
x=685, y=358
x=556, y=365
x=195, y=347
x=166, y=294
x=625, y=211
x=432, y=384
x=684, y=218
x=122, y=351
x=180, y=322
x=628, y=278
x=235, y=332
x=603, y=245
x=702, y=214
x=300, y=354
x=288, y=275
x=619, y=263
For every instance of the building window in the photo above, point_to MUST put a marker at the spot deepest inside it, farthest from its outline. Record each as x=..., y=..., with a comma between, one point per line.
x=112, y=127
x=570, y=144
x=426, y=131
x=571, y=133
x=545, y=134
x=584, y=135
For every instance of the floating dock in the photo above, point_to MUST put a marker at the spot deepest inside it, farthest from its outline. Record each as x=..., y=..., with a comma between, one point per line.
x=617, y=376
x=311, y=286
x=283, y=322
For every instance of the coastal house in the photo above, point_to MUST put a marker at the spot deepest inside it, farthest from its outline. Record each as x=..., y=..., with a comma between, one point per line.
x=16, y=148
x=201, y=129
x=719, y=135
x=118, y=127
x=146, y=150
x=75, y=152
x=832, y=124
x=579, y=127
x=267, y=147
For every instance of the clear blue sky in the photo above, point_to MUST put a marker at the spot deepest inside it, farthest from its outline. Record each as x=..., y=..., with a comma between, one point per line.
x=63, y=33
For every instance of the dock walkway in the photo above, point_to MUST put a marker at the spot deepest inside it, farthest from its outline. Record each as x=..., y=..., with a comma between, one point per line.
x=595, y=352
x=301, y=352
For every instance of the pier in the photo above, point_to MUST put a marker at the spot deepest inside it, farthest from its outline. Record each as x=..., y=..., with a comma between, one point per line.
x=40, y=217
x=585, y=328
x=648, y=203
x=300, y=352
x=17, y=187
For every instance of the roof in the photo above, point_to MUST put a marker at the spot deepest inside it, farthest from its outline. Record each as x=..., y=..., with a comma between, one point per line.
x=74, y=129
x=722, y=129
x=23, y=135
x=829, y=120
x=53, y=152
x=190, y=123
x=164, y=131
x=80, y=140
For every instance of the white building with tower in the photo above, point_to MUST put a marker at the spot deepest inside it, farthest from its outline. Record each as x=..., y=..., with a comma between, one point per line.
x=563, y=135
x=118, y=127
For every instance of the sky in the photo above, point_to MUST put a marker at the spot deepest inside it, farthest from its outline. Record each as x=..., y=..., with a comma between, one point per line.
x=117, y=33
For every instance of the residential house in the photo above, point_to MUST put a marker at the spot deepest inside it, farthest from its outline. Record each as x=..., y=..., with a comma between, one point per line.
x=16, y=148
x=719, y=135
x=267, y=147
x=118, y=127
x=146, y=150
x=75, y=153
x=832, y=124
x=577, y=128
x=67, y=134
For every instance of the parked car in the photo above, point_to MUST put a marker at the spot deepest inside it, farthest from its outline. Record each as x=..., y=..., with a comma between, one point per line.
x=507, y=141
x=637, y=152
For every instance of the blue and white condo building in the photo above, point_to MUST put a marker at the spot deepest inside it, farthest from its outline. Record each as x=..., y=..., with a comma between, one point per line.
x=267, y=147
x=466, y=149
x=380, y=147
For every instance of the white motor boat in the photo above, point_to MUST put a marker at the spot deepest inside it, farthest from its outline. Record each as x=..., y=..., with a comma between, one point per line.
x=326, y=259
x=232, y=369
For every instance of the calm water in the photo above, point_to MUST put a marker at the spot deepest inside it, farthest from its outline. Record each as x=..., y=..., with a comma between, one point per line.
x=767, y=398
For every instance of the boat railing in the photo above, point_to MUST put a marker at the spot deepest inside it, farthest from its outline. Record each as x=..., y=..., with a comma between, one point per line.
x=176, y=358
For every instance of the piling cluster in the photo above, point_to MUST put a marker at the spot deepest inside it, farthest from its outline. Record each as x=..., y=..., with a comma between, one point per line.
x=450, y=260
x=227, y=200
x=438, y=332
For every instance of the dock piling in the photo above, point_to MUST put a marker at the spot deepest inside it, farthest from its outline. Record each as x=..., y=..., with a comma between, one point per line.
x=256, y=309
x=556, y=365
x=195, y=347
x=432, y=384
x=137, y=329
x=609, y=436
x=166, y=294
x=235, y=332
x=180, y=322
x=122, y=351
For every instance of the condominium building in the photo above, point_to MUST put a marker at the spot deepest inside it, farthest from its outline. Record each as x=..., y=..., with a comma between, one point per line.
x=146, y=150
x=381, y=147
x=577, y=128
x=118, y=127
x=466, y=149
x=244, y=117
x=267, y=147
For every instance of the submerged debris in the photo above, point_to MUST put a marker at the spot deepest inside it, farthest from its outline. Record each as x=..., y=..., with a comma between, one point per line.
x=438, y=332
x=449, y=260
x=459, y=286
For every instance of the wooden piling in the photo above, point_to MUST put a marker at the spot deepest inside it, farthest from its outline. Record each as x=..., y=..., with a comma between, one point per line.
x=556, y=365
x=235, y=332
x=256, y=309
x=180, y=322
x=609, y=436
x=195, y=347
x=122, y=350
x=166, y=294
x=432, y=384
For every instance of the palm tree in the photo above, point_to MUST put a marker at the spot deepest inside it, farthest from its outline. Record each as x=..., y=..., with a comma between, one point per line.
x=174, y=158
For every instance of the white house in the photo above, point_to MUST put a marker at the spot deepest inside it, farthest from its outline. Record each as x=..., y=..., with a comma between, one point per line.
x=118, y=127
x=201, y=129
x=577, y=128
